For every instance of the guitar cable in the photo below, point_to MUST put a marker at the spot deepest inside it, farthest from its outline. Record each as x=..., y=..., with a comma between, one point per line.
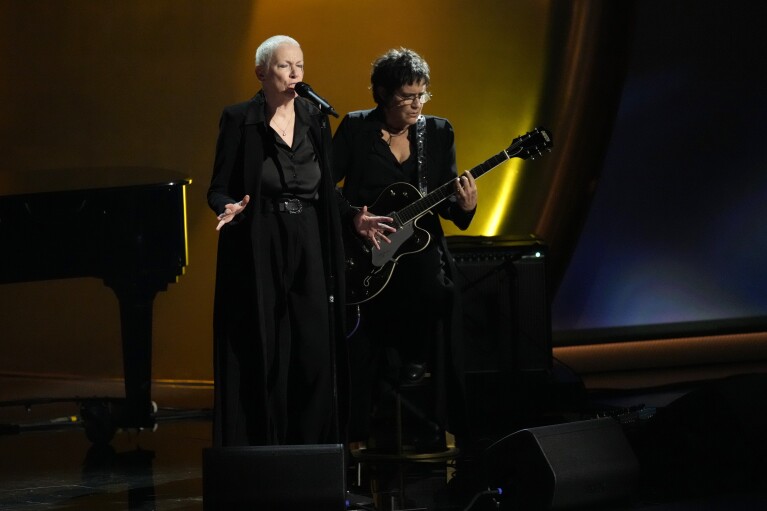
x=357, y=324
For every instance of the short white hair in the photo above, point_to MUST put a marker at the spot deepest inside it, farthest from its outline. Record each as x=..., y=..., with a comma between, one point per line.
x=266, y=50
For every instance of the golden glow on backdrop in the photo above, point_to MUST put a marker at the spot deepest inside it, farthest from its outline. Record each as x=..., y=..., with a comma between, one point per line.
x=142, y=83
x=487, y=64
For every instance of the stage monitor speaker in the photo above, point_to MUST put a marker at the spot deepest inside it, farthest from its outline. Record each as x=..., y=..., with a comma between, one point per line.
x=274, y=478
x=710, y=441
x=563, y=466
x=506, y=309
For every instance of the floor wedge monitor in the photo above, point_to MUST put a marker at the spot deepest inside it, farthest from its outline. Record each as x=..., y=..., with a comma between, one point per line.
x=274, y=478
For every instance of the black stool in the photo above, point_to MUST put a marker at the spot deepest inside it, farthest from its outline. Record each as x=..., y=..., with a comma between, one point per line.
x=400, y=428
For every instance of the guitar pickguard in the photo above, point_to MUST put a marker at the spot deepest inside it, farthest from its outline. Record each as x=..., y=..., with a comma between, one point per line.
x=388, y=251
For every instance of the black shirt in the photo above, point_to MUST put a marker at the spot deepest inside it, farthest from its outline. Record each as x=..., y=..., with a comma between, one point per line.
x=290, y=171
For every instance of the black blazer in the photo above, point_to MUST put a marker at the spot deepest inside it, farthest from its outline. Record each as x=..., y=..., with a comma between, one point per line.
x=355, y=139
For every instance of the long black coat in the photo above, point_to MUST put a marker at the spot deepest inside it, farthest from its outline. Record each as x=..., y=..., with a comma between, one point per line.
x=240, y=399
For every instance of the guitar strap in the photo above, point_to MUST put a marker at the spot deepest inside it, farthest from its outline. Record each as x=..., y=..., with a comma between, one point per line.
x=420, y=142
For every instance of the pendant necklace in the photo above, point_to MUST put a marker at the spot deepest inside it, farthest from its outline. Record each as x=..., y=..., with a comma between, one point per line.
x=283, y=130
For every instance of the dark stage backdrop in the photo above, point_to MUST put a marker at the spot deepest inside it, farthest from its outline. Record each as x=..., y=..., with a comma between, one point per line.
x=676, y=238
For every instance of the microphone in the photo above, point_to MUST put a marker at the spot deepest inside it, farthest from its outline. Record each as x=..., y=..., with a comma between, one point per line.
x=305, y=91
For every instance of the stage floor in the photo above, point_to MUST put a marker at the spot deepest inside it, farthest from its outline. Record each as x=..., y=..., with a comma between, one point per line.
x=48, y=463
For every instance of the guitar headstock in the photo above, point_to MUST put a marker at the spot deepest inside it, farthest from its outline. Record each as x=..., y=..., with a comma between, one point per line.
x=530, y=144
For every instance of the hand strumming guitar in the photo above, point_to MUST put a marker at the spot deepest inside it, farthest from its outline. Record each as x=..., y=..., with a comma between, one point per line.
x=373, y=227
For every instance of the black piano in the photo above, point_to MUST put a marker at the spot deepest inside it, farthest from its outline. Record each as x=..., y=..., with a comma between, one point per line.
x=126, y=226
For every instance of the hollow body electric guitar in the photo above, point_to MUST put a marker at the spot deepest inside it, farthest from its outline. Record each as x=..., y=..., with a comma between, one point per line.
x=369, y=269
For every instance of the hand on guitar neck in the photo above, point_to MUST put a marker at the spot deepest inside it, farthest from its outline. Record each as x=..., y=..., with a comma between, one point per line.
x=466, y=191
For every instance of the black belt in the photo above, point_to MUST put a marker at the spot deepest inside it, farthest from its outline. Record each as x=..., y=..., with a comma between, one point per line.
x=292, y=206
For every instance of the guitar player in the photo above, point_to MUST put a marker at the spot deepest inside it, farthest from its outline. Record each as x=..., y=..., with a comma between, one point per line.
x=412, y=326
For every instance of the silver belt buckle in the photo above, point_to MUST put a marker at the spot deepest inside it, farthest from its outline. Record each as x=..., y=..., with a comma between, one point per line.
x=294, y=206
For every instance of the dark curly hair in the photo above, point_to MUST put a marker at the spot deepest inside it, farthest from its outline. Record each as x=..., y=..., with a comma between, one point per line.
x=394, y=69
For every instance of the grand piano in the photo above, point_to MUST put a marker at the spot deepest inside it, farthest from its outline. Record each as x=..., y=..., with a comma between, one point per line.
x=126, y=226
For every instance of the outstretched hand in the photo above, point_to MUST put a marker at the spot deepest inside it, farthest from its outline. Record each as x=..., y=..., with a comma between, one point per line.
x=230, y=211
x=373, y=227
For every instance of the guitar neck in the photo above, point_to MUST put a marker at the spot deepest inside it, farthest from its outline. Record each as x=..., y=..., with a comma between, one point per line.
x=435, y=197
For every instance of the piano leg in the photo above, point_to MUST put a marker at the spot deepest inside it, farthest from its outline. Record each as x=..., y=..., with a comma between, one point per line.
x=136, y=325
x=103, y=417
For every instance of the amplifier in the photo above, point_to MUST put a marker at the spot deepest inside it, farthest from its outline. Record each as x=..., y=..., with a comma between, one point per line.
x=506, y=327
x=506, y=307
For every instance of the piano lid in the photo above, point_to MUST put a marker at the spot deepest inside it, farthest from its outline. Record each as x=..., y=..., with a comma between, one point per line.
x=121, y=224
x=32, y=182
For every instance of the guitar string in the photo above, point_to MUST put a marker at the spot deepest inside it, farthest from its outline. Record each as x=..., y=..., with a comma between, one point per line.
x=441, y=193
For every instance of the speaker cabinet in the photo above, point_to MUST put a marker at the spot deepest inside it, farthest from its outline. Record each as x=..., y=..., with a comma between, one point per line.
x=562, y=466
x=506, y=327
x=274, y=478
x=506, y=309
x=711, y=440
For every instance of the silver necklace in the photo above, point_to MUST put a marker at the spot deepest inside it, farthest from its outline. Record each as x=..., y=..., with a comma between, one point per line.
x=285, y=129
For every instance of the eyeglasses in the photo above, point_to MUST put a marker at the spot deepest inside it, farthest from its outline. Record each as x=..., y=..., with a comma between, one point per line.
x=422, y=98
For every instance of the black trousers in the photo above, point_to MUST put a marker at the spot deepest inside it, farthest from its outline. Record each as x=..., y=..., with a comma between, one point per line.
x=408, y=322
x=298, y=350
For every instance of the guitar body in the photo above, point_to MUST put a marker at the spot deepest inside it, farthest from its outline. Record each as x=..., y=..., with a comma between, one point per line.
x=369, y=269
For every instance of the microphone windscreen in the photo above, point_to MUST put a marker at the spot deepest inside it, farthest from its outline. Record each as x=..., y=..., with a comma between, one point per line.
x=302, y=89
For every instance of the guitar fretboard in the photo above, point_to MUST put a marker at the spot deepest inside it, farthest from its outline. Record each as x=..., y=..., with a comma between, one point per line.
x=523, y=147
x=428, y=201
